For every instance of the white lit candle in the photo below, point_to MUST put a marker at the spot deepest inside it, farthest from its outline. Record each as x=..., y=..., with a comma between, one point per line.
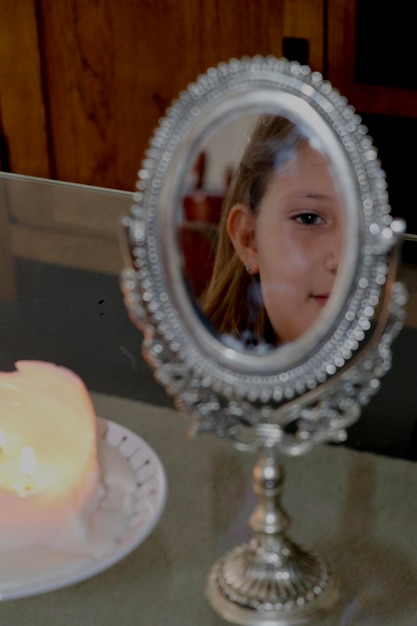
x=49, y=469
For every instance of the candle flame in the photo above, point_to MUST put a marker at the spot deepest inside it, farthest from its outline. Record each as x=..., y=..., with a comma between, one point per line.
x=28, y=465
x=28, y=462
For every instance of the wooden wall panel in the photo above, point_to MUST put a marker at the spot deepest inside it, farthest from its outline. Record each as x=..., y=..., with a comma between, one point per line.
x=83, y=83
x=341, y=43
x=341, y=52
x=22, y=112
x=305, y=19
x=113, y=66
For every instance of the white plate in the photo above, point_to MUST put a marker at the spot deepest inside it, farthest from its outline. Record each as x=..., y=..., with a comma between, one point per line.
x=47, y=569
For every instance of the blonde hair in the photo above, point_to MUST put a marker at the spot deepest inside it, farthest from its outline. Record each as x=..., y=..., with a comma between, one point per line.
x=232, y=301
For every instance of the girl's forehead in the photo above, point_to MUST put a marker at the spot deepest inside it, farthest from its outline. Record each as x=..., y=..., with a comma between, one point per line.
x=302, y=156
x=307, y=175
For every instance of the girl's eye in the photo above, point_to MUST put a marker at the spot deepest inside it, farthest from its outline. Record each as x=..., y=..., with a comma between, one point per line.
x=309, y=219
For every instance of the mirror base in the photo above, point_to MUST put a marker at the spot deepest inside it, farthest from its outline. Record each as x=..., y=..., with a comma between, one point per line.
x=270, y=581
x=244, y=587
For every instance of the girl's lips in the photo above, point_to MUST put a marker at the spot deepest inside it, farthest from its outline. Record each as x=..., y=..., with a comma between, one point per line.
x=321, y=298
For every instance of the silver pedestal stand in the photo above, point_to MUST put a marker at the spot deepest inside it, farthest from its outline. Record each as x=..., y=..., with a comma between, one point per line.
x=270, y=581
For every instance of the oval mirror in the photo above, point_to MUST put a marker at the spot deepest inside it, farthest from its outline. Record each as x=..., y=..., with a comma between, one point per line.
x=307, y=238
x=259, y=241
x=262, y=234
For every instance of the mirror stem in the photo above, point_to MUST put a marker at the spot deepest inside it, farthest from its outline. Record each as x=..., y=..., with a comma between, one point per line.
x=270, y=578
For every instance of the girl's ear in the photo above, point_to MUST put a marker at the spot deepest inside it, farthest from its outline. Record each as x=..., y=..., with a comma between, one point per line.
x=241, y=230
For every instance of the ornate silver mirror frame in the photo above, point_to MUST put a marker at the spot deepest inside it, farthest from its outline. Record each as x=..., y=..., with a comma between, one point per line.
x=303, y=393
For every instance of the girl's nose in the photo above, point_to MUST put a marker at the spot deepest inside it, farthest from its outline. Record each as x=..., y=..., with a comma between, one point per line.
x=332, y=258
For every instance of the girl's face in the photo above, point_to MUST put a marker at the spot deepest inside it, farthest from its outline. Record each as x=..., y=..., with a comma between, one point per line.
x=298, y=241
x=293, y=241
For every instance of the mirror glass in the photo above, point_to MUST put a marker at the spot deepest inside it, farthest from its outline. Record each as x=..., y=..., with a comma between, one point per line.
x=262, y=230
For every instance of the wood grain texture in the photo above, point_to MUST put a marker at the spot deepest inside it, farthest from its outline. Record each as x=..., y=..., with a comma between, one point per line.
x=113, y=68
x=341, y=43
x=22, y=112
x=306, y=20
x=341, y=53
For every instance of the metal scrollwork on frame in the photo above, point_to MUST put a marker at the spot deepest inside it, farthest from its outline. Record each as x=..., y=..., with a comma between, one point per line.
x=205, y=377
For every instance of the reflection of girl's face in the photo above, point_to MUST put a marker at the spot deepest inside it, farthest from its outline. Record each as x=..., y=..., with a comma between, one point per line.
x=298, y=241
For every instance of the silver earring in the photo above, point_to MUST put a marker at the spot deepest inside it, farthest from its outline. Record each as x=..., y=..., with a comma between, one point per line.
x=248, y=269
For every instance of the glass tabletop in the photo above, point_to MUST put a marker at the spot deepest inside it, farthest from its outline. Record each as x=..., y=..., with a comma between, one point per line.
x=60, y=301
